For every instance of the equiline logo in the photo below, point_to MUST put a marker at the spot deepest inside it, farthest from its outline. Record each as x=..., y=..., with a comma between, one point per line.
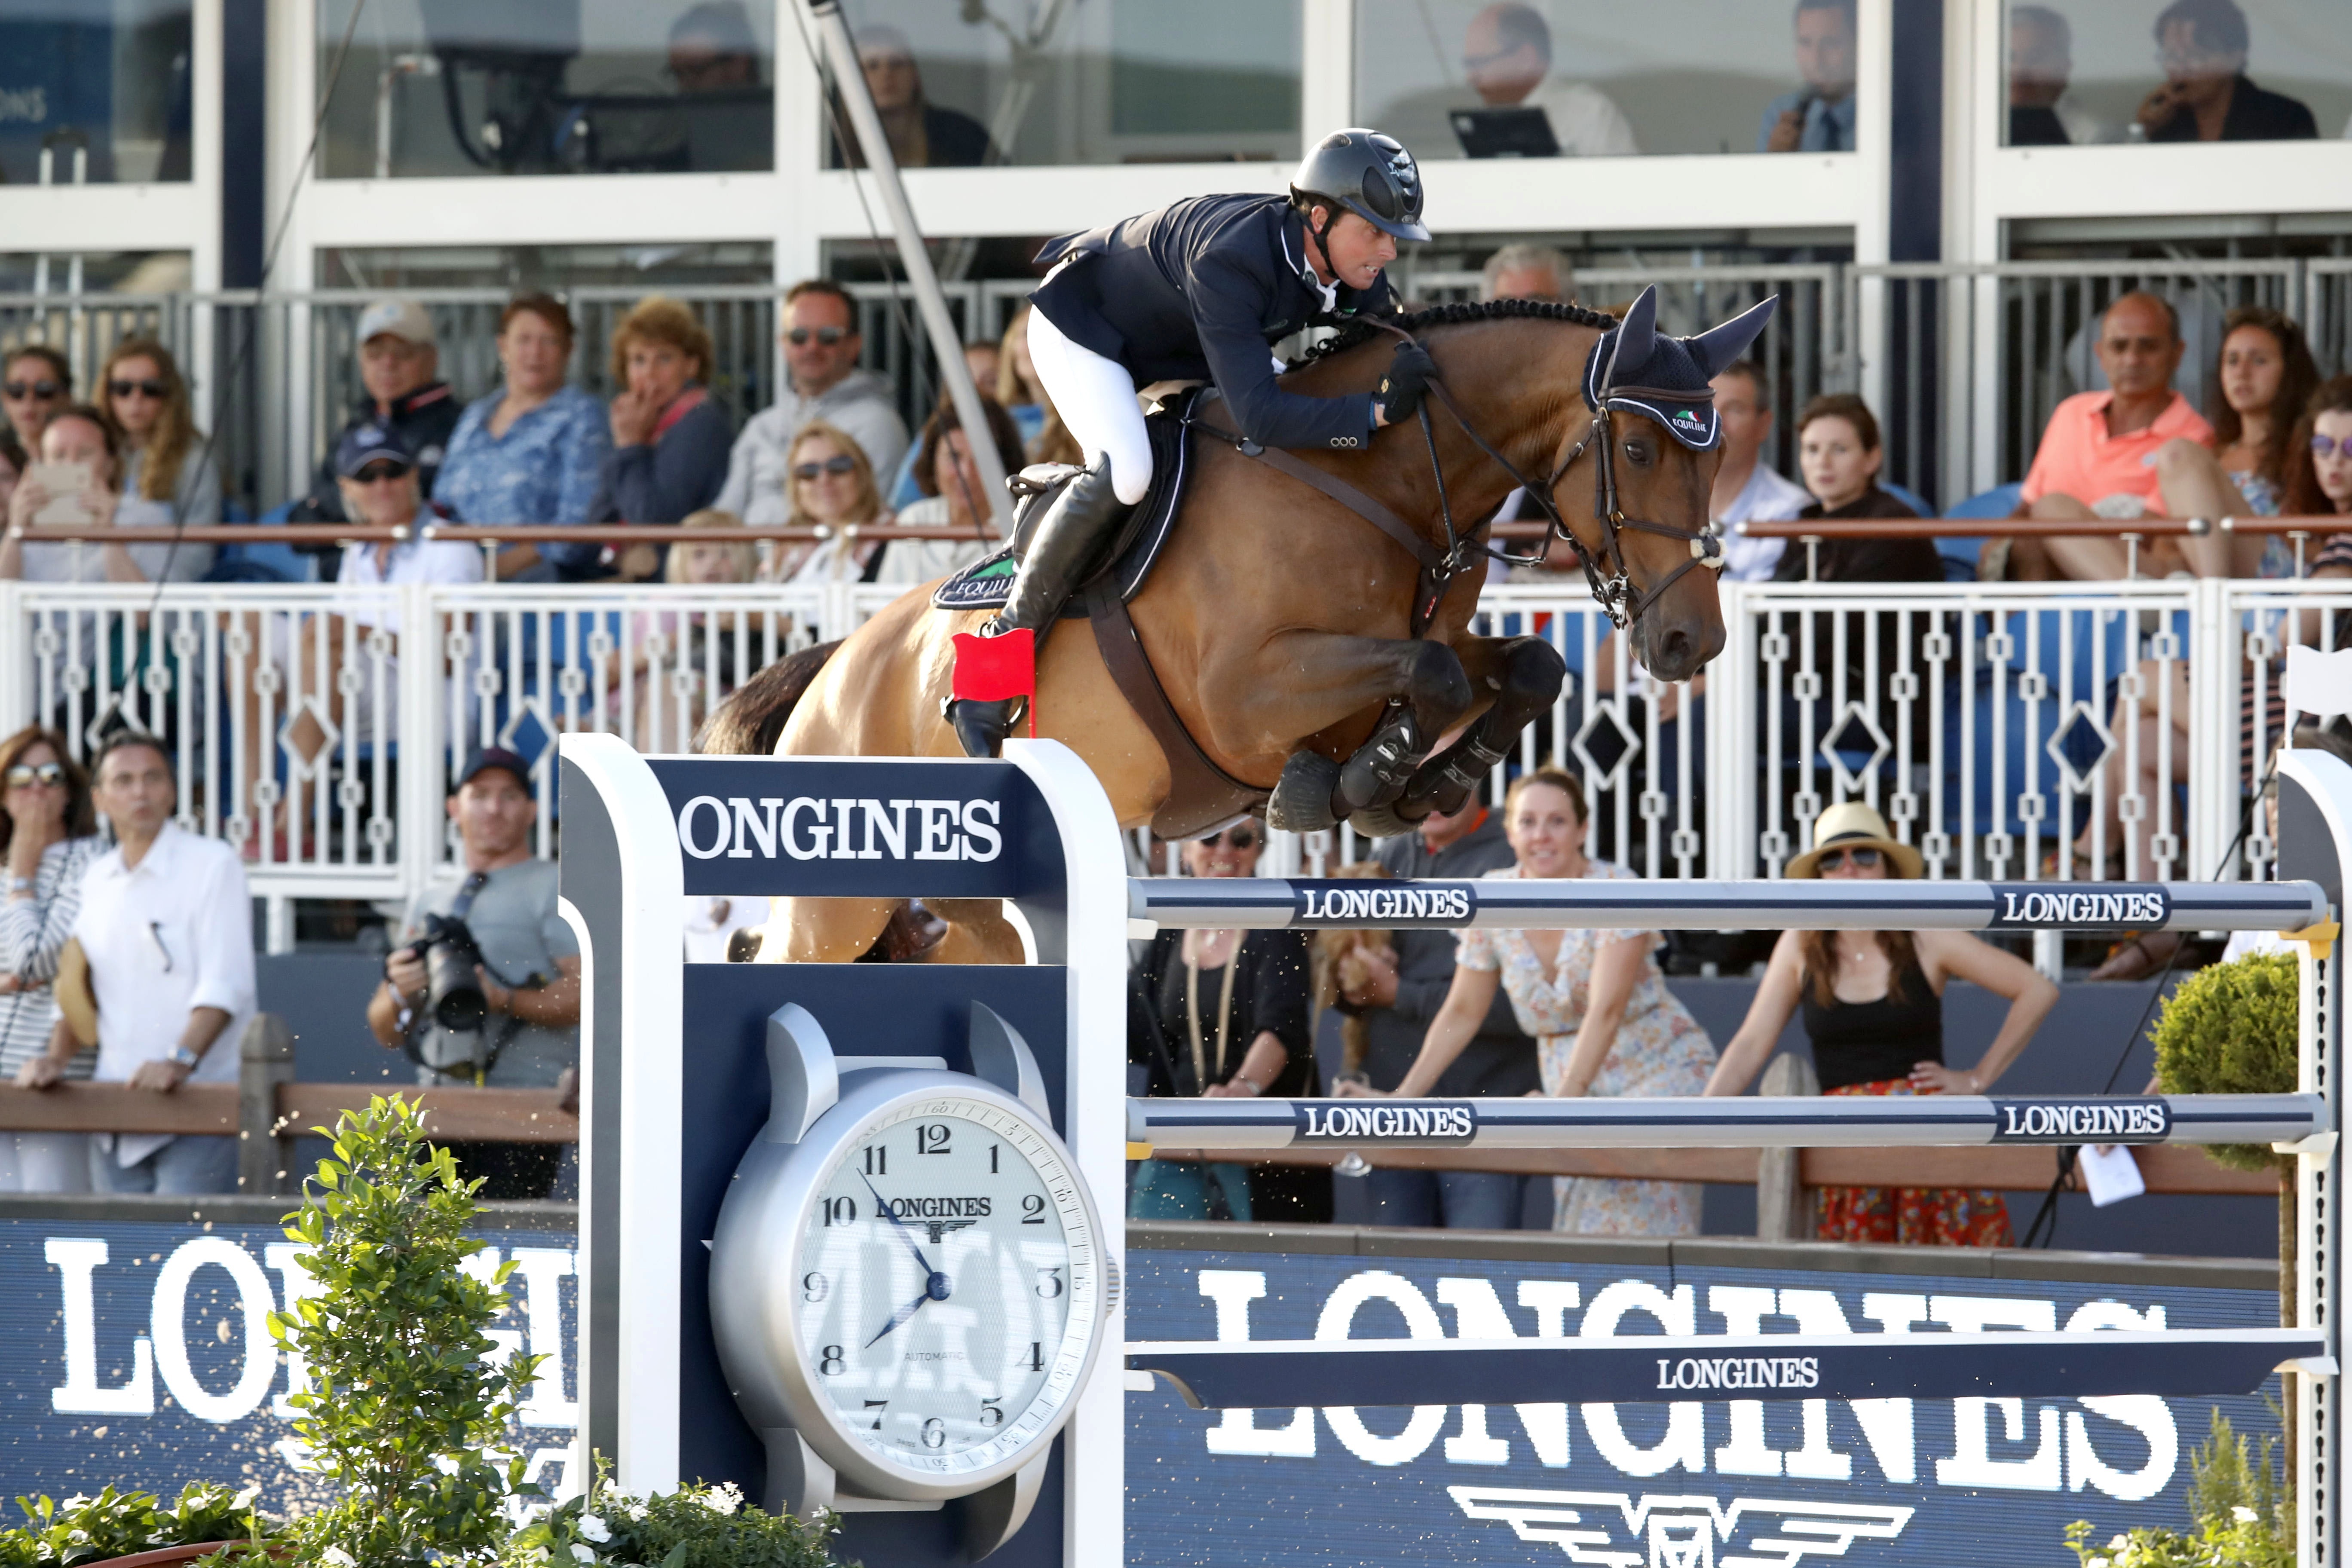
x=2028, y=906
x=1411, y=1123
x=1382, y=904
x=811, y=828
x=2081, y=1121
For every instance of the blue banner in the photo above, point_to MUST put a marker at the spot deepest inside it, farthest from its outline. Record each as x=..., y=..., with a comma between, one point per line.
x=1869, y=1482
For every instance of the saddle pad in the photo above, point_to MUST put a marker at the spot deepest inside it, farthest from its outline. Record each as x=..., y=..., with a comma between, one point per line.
x=987, y=583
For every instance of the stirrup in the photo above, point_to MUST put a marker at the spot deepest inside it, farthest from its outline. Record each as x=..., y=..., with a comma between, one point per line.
x=981, y=728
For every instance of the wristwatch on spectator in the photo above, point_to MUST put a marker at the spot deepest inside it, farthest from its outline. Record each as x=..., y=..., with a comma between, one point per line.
x=181, y=1057
x=20, y=887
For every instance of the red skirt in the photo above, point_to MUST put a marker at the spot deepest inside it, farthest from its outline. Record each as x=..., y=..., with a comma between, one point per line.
x=1912, y=1216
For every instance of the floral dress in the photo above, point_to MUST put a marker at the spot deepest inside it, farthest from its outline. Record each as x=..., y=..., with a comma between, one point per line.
x=1660, y=1052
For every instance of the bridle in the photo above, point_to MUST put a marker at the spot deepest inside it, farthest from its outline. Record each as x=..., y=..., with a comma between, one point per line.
x=1613, y=587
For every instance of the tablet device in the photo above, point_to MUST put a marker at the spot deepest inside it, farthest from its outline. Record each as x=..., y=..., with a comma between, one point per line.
x=1520, y=133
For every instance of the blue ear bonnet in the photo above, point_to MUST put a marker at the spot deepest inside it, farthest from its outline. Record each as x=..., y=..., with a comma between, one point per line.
x=1634, y=369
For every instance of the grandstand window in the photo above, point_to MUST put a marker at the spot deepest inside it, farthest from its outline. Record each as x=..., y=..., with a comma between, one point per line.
x=95, y=94
x=526, y=87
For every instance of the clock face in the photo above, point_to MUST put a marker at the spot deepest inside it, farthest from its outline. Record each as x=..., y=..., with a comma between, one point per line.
x=947, y=1285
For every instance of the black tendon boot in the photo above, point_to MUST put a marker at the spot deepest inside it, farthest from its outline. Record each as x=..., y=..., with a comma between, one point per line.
x=1066, y=542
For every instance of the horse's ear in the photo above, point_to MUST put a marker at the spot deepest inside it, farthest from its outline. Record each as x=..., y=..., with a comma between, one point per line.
x=1636, y=336
x=1719, y=346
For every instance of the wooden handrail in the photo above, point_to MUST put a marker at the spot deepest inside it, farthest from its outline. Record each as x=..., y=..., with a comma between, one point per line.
x=483, y=533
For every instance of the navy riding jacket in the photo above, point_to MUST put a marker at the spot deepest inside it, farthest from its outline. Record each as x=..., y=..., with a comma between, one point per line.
x=1199, y=291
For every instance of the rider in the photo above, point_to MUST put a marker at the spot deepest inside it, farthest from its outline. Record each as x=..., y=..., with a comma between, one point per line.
x=1198, y=291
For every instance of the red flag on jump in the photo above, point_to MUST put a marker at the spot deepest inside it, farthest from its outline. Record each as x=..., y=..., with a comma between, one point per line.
x=991, y=670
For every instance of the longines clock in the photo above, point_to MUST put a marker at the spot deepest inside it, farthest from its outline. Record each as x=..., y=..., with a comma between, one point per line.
x=907, y=1278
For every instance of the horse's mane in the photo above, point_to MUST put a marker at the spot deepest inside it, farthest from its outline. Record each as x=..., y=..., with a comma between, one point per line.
x=1360, y=332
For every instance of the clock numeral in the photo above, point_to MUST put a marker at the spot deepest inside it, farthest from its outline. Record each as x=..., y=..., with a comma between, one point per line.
x=830, y=1363
x=1032, y=1209
x=991, y=1159
x=1049, y=1283
x=1037, y=1362
x=990, y=1416
x=932, y=1138
x=877, y=1160
x=840, y=1211
x=815, y=1286
x=935, y=1433
x=878, y=1407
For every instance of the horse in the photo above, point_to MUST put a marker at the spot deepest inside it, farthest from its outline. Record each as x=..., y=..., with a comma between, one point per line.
x=1282, y=623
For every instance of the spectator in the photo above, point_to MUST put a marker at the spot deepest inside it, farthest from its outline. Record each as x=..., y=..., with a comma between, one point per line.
x=1528, y=272
x=12, y=466
x=822, y=383
x=712, y=50
x=526, y=964
x=400, y=367
x=1506, y=56
x=985, y=363
x=167, y=927
x=2206, y=97
x=1819, y=116
x=922, y=134
x=82, y=438
x=1398, y=998
x=952, y=498
x=1838, y=449
x=833, y=488
x=2104, y=453
x=1873, y=1010
x=2263, y=376
x=1747, y=490
x=1223, y=1014
x=2041, y=64
x=669, y=436
x=169, y=474
x=37, y=382
x=1604, y=1023
x=532, y=450
x=1016, y=385
x=698, y=645
x=48, y=831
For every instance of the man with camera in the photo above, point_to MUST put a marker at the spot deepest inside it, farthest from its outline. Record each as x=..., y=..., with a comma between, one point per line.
x=484, y=988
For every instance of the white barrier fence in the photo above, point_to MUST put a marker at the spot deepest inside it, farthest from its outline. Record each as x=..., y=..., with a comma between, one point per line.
x=1994, y=725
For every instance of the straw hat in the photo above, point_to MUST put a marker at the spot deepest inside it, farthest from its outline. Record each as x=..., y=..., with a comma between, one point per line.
x=1849, y=824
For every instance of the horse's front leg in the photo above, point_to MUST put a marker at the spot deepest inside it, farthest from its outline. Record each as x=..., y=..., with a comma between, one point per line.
x=1303, y=684
x=1517, y=678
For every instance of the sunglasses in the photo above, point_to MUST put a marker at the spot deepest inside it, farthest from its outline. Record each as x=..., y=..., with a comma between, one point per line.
x=1232, y=838
x=21, y=776
x=18, y=391
x=828, y=336
x=2330, y=447
x=154, y=389
x=379, y=473
x=1863, y=860
x=840, y=463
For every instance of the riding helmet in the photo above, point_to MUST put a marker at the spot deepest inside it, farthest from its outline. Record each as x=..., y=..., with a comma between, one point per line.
x=1369, y=175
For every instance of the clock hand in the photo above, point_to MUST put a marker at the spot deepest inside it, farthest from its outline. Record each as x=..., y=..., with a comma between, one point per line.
x=906, y=1231
x=900, y=1316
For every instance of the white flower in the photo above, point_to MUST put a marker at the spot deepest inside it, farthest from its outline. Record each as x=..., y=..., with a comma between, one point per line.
x=723, y=1498
x=595, y=1529
x=2243, y=1515
x=2096, y=1563
x=635, y=1511
x=79, y=1499
x=583, y=1553
x=79, y=1537
x=244, y=1498
x=2118, y=1542
x=338, y=1557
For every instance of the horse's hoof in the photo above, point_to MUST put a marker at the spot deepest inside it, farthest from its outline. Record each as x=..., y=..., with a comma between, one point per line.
x=1382, y=822
x=1382, y=766
x=1301, y=802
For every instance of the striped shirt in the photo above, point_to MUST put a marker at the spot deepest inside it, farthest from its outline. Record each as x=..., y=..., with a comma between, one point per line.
x=32, y=931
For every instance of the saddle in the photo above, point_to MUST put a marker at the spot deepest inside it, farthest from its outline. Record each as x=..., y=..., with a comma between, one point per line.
x=1201, y=795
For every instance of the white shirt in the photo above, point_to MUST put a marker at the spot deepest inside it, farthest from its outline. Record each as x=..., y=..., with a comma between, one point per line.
x=413, y=561
x=163, y=938
x=1765, y=497
x=911, y=560
x=1585, y=121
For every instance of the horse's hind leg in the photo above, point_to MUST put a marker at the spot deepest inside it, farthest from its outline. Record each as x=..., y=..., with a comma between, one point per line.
x=978, y=933
x=1522, y=676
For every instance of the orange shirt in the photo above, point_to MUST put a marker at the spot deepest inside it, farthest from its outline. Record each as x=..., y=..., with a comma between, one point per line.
x=2079, y=459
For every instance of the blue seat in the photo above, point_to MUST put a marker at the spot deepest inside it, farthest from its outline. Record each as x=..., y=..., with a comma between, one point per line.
x=261, y=562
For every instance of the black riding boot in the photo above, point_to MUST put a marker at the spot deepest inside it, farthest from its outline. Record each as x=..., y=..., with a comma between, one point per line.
x=1066, y=544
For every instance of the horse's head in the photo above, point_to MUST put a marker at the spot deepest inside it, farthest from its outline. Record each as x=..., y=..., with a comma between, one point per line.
x=1650, y=460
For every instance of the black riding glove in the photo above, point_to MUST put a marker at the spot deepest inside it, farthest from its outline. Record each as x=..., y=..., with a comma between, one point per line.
x=1410, y=373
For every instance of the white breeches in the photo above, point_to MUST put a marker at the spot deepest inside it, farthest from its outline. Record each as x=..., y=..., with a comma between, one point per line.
x=1096, y=398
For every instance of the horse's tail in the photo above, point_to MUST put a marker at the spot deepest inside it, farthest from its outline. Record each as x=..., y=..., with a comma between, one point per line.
x=751, y=721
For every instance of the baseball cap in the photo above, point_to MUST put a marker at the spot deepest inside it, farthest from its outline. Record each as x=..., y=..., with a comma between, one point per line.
x=490, y=757
x=404, y=319
x=371, y=442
